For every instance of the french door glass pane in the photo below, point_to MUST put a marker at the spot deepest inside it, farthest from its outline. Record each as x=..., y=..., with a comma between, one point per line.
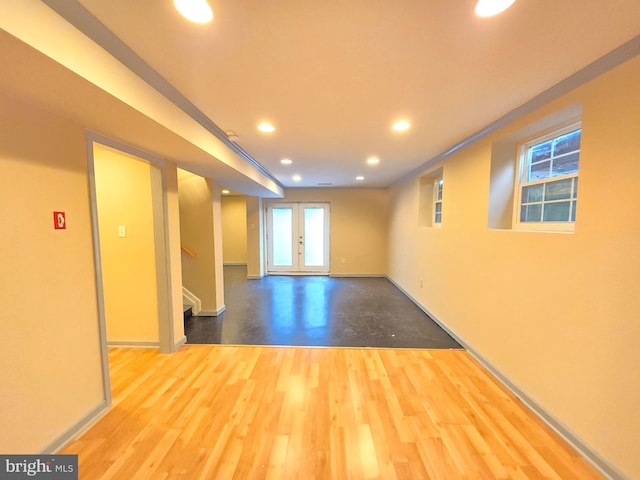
x=282, y=236
x=314, y=237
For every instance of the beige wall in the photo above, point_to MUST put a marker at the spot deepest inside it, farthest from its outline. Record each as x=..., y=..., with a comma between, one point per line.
x=234, y=229
x=199, y=200
x=123, y=192
x=557, y=314
x=359, y=225
x=50, y=360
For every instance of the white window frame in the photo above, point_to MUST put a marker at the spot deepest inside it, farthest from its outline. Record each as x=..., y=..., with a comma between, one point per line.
x=521, y=181
x=438, y=193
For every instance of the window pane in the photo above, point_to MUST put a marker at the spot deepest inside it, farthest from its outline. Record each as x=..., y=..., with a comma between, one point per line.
x=532, y=194
x=540, y=152
x=438, y=207
x=438, y=218
x=539, y=171
x=558, y=190
x=556, y=212
x=567, y=164
x=282, y=237
x=439, y=190
x=567, y=143
x=550, y=199
x=573, y=211
x=314, y=237
x=531, y=213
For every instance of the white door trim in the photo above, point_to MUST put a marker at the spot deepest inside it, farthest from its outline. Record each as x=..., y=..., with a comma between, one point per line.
x=298, y=240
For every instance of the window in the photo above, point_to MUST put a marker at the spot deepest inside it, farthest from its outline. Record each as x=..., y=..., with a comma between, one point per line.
x=430, y=199
x=548, y=185
x=437, y=201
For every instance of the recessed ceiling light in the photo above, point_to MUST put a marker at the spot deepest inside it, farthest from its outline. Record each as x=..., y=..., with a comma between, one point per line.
x=286, y=161
x=225, y=192
x=401, y=126
x=296, y=178
x=489, y=8
x=266, y=127
x=373, y=160
x=198, y=11
x=359, y=178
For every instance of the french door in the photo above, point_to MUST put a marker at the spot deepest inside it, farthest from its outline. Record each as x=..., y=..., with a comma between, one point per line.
x=298, y=238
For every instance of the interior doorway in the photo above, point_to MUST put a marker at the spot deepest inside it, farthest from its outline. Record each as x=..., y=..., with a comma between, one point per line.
x=298, y=238
x=128, y=206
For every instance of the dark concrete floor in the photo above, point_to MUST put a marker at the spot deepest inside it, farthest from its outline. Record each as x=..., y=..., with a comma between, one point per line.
x=317, y=311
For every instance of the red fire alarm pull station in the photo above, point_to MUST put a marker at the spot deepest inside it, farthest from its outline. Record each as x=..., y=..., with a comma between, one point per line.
x=59, y=221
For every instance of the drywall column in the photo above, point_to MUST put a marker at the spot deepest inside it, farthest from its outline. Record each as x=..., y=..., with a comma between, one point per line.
x=255, y=238
x=201, y=234
x=217, y=246
x=173, y=250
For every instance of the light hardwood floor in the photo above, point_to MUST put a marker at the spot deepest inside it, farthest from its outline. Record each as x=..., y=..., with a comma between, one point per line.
x=222, y=412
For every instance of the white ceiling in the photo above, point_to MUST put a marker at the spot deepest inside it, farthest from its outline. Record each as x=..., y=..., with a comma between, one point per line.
x=333, y=75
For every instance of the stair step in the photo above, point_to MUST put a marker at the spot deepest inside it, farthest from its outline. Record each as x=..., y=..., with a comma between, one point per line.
x=187, y=311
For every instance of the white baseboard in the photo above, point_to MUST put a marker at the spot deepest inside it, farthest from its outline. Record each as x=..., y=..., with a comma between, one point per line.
x=588, y=453
x=190, y=298
x=180, y=342
x=76, y=429
x=357, y=275
x=298, y=274
x=212, y=313
x=255, y=277
x=132, y=344
x=231, y=264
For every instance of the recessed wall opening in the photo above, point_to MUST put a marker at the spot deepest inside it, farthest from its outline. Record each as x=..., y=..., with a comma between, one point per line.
x=504, y=163
x=132, y=275
x=429, y=201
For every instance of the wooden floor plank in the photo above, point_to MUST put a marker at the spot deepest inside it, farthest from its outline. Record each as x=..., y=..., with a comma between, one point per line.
x=275, y=412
